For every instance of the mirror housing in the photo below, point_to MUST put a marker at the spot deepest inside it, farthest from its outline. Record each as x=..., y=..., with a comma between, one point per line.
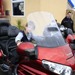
x=29, y=52
x=26, y=49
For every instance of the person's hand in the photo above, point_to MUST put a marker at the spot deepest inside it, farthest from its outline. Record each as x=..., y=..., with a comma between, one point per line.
x=19, y=43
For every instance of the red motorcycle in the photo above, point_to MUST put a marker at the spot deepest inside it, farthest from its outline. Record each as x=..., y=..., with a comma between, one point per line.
x=49, y=54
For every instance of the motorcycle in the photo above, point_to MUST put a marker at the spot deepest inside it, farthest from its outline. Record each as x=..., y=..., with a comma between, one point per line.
x=49, y=55
x=68, y=36
x=65, y=31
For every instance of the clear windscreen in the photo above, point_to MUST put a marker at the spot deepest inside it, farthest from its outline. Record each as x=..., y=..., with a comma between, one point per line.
x=46, y=32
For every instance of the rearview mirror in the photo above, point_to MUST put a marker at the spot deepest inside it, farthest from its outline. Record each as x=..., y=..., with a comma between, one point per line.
x=29, y=52
x=26, y=49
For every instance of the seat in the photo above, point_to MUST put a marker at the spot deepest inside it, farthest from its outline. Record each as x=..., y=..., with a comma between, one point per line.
x=7, y=37
x=3, y=32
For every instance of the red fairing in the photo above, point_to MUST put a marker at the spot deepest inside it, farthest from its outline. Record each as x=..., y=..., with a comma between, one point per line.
x=73, y=36
x=62, y=55
x=69, y=38
x=23, y=46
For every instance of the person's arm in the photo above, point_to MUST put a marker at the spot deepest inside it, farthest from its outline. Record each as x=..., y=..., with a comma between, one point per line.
x=33, y=37
x=18, y=38
x=37, y=38
x=63, y=22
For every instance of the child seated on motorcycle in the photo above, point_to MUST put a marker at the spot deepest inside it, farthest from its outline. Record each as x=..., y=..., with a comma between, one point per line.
x=26, y=35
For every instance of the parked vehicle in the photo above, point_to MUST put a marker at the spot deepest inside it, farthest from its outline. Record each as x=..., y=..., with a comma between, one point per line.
x=65, y=31
x=68, y=36
x=51, y=55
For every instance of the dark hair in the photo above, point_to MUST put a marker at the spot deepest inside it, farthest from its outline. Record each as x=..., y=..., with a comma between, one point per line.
x=68, y=12
x=26, y=25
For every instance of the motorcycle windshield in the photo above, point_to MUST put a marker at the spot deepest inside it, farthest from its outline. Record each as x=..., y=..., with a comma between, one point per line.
x=46, y=32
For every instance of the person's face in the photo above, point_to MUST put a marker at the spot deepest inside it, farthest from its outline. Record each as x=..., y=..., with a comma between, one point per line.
x=29, y=29
x=69, y=15
x=26, y=30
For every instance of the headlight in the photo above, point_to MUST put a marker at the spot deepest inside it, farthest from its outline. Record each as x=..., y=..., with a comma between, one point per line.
x=57, y=68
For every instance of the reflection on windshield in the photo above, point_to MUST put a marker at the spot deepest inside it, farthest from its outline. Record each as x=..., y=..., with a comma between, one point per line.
x=47, y=30
x=50, y=42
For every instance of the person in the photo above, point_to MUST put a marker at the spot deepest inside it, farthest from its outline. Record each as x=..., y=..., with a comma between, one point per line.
x=26, y=35
x=68, y=22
